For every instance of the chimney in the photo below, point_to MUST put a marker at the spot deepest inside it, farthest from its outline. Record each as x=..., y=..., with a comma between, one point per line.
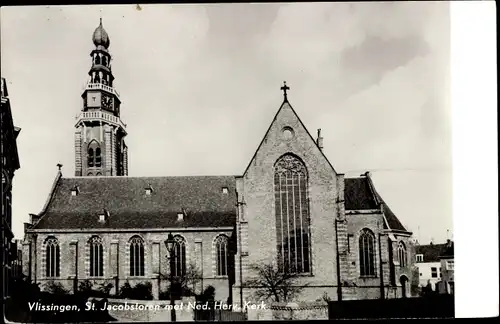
x=448, y=243
x=319, y=141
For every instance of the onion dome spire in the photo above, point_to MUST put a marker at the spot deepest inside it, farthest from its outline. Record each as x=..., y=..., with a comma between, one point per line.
x=100, y=37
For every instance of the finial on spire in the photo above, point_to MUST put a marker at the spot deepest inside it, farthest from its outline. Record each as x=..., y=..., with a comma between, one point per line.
x=59, y=166
x=285, y=88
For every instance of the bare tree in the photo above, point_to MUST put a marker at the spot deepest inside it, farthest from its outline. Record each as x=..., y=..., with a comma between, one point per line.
x=271, y=283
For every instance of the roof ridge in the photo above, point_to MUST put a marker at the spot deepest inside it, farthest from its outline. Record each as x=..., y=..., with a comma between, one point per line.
x=50, y=198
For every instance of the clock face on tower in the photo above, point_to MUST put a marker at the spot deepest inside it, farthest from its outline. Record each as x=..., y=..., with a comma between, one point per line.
x=107, y=102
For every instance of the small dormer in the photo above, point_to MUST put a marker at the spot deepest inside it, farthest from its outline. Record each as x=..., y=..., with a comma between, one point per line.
x=148, y=190
x=75, y=191
x=180, y=216
x=103, y=216
x=225, y=190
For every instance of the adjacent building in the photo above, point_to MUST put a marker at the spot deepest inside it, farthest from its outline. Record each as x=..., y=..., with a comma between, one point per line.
x=289, y=208
x=435, y=265
x=447, y=258
x=9, y=165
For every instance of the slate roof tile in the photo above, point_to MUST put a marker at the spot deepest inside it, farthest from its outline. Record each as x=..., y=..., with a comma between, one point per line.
x=433, y=252
x=201, y=198
x=359, y=196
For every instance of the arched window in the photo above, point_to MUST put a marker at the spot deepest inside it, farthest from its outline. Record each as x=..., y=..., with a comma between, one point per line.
x=98, y=157
x=221, y=248
x=90, y=157
x=367, y=253
x=136, y=256
x=179, y=257
x=402, y=254
x=52, y=257
x=96, y=257
x=94, y=154
x=292, y=215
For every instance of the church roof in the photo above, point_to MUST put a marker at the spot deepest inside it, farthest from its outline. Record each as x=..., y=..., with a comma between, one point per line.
x=357, y=194
x=205, y=201
x=360, y=194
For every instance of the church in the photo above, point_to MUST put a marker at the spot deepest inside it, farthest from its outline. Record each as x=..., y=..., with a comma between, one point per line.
x=289, y=208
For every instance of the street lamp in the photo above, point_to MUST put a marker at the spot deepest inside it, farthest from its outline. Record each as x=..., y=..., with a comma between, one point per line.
x=169, y=243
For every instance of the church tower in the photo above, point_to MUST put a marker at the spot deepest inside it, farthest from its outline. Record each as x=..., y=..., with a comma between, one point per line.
x=100, y=148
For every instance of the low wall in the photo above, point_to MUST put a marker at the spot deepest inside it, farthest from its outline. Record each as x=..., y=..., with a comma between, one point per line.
x=437, y=306
x=290, y=311
x=128, y=310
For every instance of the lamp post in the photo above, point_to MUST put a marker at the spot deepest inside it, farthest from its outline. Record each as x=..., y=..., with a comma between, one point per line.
x=169, y=243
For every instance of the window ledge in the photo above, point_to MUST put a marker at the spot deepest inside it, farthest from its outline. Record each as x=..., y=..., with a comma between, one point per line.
x=221, y=277
x=369, y=277
x=135, y=277
x=307, y=274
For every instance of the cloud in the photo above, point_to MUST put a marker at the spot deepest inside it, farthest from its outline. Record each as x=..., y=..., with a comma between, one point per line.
x=200, y=85
x=366, y=63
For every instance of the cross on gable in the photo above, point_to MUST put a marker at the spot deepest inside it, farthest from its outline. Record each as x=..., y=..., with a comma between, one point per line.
x=285, y=88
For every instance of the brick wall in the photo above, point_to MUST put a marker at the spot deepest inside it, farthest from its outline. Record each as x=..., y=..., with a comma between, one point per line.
x=74, y=254
x=87, y=134
x=125, y=160
x=258, y=191
x=108, y=139
x=78, y=151
x=356, y=223
x=291, y=311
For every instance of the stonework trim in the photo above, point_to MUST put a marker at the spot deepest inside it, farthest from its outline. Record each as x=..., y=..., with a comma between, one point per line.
x=362, y=211
x=376, y=247
x=132, y=230
x=145, y=248
x=254, y=157
x=43, y=265
x=215, y=255
x=398, y=233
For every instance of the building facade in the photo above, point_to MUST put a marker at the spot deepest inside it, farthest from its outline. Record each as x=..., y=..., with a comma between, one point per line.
x=9, y=165
x=436, y=266
x=428, y=263
x=290, y=208
x=447, y=258
x=337, y=233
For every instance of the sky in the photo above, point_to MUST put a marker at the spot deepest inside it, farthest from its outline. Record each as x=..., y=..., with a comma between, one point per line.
x=200, y=85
